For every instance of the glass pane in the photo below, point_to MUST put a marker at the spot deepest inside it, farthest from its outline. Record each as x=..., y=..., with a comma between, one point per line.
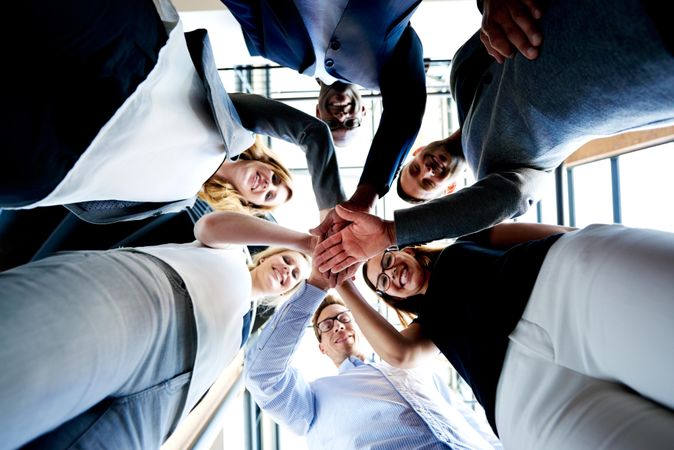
x=645, y=179
x=592, y=187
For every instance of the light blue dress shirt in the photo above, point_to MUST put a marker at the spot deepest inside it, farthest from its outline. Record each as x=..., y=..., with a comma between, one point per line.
x=365, y=406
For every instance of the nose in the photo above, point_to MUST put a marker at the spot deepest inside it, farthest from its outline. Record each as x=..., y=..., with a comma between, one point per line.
x=341, y=115
x=285, y=271
x=337, y=325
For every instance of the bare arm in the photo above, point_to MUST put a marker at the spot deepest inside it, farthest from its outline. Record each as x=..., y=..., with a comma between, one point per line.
x=225, y=227
x=405, y=349
x=508, y=234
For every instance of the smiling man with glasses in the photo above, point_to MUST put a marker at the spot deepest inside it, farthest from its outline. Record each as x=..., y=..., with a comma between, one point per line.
x=367, y=404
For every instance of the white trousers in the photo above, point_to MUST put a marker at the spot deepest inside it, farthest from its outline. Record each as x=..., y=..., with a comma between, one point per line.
x=591, y=363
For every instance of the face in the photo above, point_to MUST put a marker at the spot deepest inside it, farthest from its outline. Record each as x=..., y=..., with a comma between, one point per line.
x=428, y=175
x=279, y=273
x=342, y=340
x=257, y=183
x=339, y=105
x=406, y=276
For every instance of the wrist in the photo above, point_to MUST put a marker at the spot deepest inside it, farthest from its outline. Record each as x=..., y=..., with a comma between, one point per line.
x=319, y=282
x=364, y=198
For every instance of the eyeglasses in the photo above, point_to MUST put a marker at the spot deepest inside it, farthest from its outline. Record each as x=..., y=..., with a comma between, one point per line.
x=326, y=325
x=383, y=280
x=349, y=124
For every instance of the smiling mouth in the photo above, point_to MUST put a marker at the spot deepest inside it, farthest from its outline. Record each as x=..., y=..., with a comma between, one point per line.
x=278, y=276
x=403, y=276
x=342, y=339
x=255, y=182
x=258, y=181
x=437, y=165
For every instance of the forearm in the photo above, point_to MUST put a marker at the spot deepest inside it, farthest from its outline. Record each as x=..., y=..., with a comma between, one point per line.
x=391, y=345
x=224, y=227
x=403, y=90
x=277, y=387
x=491, y=200
x=509, y=234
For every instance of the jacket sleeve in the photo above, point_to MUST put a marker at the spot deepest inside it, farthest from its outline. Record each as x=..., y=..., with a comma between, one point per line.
x=278, y=388
x=403, y=89
x=491, y=200
x=273, y=118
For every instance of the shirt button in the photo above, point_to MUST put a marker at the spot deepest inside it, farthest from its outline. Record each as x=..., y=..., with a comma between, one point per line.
x=335, y=45
x=329, y=62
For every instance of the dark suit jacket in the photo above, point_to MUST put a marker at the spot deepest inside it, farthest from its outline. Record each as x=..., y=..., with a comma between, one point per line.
x=373, y=46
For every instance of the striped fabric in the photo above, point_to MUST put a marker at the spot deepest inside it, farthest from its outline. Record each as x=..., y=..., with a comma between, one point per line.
x=365, y=406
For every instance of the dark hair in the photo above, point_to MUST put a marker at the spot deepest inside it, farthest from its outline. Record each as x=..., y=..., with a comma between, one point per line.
x=404, y=195
x=407, y=308
x=327, y=301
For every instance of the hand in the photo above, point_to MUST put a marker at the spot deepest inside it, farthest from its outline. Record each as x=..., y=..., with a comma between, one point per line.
x=331, y=224
x=365, y=237
x=509, y=26
x=308, y=244
x=321, y=280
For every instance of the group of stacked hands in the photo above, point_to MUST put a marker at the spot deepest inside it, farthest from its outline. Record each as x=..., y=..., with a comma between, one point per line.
x=563, y=335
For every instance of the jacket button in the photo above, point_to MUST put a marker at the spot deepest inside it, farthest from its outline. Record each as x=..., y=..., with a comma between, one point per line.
x=329, y=62
x=335, y=45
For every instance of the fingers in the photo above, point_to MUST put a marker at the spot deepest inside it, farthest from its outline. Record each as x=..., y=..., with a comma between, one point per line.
x=335, y=261
x=345, y=213
x=511, y=26
x=317, y=231
x=493, y=52
x=346, y=262
x=523, y=31
x=535, y=10
x=347, y=274
x=324, y=249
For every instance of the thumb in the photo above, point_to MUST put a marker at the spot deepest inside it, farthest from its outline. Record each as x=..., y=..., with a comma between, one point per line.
x=316, y=231
x=346, y=214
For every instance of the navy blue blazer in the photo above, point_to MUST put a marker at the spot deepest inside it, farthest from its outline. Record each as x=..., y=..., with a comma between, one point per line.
x=373, y=46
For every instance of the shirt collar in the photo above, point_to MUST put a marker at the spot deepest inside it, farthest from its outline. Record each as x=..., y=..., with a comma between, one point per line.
x=352, y=362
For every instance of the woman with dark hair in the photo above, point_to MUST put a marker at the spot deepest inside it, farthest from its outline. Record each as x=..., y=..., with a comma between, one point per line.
x=565, y=340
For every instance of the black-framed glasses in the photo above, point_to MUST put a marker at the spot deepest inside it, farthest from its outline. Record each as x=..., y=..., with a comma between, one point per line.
x=383, y=280
x=349, y=124
x=326, y=325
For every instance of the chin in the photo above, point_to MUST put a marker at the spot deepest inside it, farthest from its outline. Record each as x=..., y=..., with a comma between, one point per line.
x=343, y=139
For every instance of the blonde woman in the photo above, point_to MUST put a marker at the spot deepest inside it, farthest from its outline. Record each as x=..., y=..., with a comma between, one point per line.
x=257, y=182
x=113, y=348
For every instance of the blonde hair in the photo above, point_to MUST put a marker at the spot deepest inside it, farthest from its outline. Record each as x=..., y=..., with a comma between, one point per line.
x=274, y=301
x=222, y=196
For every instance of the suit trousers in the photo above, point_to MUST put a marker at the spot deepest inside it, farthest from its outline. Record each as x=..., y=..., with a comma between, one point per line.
x=589, y=365
x=97, y=351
